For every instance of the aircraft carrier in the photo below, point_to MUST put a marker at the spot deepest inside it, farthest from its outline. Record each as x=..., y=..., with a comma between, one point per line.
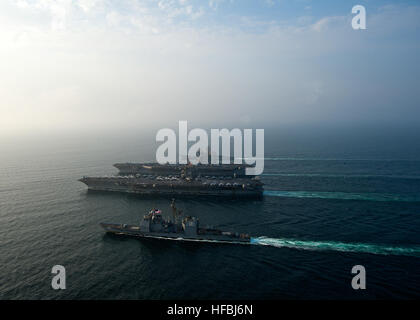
x=179, y=180
x=222, y=170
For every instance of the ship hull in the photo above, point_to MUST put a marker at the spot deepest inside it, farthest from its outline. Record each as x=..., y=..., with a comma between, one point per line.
x=133, y=231
x=175, y=189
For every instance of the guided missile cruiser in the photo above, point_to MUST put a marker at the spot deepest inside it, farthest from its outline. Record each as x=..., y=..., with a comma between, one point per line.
x=154, y=225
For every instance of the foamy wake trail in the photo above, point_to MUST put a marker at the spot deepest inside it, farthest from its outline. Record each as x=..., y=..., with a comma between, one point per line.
x=331, y=175
x=343, y=195
x=335, y=159
x=337, y=246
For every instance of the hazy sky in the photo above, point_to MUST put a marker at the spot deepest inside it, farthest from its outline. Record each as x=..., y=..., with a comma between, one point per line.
x=70, y=65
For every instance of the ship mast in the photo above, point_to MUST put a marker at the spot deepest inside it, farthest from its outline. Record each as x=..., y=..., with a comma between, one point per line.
x=175, y=212
x=173, y=209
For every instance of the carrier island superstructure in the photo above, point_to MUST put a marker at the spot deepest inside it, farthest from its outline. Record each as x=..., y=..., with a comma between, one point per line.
x=225, y=180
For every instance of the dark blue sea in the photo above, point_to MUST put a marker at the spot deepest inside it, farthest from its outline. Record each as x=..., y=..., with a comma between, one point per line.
x=331, y=203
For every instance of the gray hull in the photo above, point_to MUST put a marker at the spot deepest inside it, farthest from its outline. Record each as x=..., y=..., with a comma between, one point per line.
x=236, y=189
x=134, y=231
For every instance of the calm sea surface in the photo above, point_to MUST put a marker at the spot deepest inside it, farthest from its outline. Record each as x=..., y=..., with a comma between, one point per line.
x=326, y=209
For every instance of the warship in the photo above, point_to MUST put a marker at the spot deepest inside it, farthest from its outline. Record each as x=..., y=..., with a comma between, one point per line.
x=179, y=180
x=228, y=170
x=153, y=225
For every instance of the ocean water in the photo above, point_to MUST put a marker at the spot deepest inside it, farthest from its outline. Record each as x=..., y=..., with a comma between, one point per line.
x=325, y=209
